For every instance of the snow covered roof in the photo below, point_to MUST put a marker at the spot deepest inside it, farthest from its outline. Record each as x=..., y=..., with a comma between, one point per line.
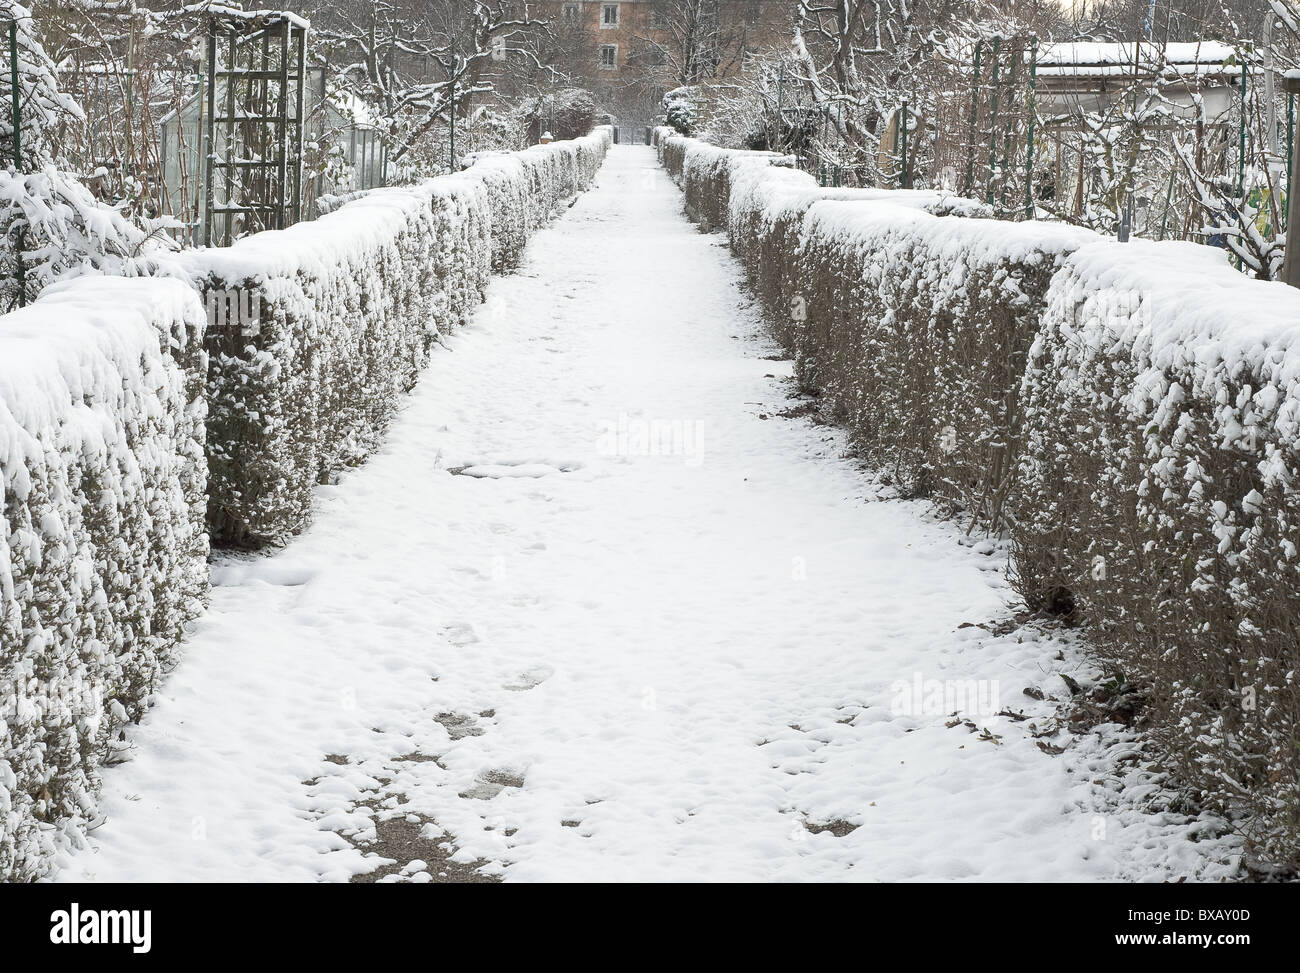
x=256, y=16
x=1093, y=59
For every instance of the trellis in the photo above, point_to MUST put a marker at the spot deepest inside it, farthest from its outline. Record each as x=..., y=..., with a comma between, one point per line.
x=1000, y=126
x=256, y=71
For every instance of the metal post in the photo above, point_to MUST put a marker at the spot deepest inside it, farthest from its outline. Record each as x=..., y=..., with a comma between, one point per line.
x=300, y=120
x=209, y=161
x=282, y=134
x=1291, y=260
x=1033, y=113
x=18, y=151
x=902, y=134
x=229, y=172
x=993, y=121
x=1241, y=162
x=452, y=146
x=199, y=126
x=1004, y=171
x=974, y=118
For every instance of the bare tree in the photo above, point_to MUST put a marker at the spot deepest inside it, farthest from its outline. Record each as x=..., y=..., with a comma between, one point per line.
x=694, y=40
x=421, y=63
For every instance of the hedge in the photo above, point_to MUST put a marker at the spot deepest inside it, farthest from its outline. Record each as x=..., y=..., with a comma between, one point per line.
x=912, y=325
x=103, y=552
x=1126, y=413
x=1158, y=497
x=321, y=328
x=112, y=389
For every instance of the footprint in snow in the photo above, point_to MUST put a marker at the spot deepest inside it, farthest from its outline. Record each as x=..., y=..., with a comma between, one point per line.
x=458, y=725
x=529, y=679
x=460, y=634
x=491, y=783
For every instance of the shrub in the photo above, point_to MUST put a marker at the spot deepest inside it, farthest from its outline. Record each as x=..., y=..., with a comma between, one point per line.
x=102, y=543
x=680, y=111
x=1130, y=413
x=321, y=328
x=1162, y=413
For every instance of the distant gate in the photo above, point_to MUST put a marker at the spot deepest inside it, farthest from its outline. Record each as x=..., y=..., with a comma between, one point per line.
x=631, y=132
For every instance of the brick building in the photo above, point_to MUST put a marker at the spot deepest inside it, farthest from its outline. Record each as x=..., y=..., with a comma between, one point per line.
x=657, y=39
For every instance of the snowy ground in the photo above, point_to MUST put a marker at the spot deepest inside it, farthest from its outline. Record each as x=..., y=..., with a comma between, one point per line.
x=573, y=660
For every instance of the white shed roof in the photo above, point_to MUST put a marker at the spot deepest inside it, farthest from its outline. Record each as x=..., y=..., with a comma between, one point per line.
x=1094, y=59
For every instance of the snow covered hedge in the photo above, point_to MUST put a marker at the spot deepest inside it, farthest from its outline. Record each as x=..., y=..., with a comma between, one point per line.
x=1158, y=494
x=103, y=551
x=915, y=326
x=1130, y=413
x=318, y=330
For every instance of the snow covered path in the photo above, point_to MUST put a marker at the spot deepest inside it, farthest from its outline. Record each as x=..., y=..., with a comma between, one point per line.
x=582, y=662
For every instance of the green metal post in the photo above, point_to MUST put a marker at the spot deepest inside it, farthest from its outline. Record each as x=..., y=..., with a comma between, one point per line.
x=993, y=121
x=18, y=149
x=1033, y=113
x=1004, y=171
x=974, y=118
x=453, y=120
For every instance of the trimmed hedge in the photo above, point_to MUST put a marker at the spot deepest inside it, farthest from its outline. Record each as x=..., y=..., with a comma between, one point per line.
x=110, y=390
x=1128, y=413
x=323, y=327
x=103, y=551
x=915, y=327
x=1158, y=494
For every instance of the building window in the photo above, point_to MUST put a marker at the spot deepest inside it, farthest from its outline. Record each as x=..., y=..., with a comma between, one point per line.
x=752, y=14
x=572, y=13
x=609, y=57
x=659, y=15
x=609, y=15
